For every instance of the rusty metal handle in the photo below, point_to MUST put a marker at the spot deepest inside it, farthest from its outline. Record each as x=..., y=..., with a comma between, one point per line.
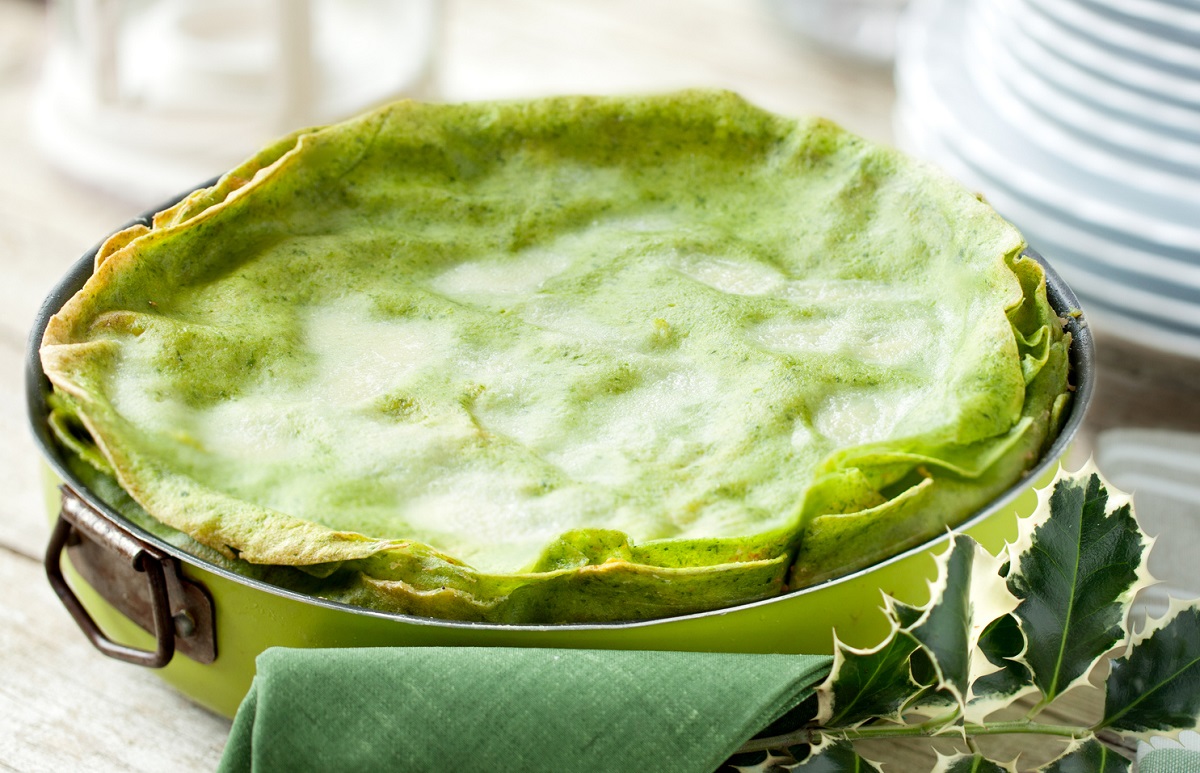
x=77, y=515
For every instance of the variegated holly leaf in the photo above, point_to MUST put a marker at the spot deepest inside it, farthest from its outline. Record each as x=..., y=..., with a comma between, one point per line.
x=971, y=763
x=835, y=757
x=931, y=701
x=1088, y=756
x=1003, y=644
x=931, y=653
x=770, y=761
x=1076, y=565
x=1155, y=688
x=869, y=683
x=966, y=597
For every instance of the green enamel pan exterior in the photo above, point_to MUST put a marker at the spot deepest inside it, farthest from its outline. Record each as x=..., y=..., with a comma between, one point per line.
x=251, y=616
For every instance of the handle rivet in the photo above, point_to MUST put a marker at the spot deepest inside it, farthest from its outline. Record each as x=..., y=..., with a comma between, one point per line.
x=185, y=626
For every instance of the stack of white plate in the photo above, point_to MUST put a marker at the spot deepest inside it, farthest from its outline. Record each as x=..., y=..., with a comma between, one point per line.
x=1079, y=120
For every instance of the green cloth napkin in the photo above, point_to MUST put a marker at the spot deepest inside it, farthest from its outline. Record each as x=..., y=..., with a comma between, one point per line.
x=497, y=709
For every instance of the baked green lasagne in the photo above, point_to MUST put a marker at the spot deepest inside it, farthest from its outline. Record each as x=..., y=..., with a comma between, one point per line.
x=564, y=360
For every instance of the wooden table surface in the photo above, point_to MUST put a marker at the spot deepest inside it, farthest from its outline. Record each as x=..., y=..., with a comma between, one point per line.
x=63, y=706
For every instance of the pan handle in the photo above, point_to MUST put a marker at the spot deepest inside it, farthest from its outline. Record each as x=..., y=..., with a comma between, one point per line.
x=77, y=518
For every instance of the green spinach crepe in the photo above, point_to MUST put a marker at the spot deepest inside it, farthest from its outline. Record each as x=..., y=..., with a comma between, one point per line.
x=574, y=359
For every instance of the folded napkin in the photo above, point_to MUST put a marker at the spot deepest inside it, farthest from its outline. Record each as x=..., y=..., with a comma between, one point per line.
x=1164, y=755
x=498, y=709
x=1170, y=761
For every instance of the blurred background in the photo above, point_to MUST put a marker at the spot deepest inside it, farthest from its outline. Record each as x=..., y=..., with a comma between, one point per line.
x=1078, y=119
x=143, y=98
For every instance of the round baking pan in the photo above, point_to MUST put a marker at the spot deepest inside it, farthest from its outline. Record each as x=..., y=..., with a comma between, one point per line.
x=141, y=599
